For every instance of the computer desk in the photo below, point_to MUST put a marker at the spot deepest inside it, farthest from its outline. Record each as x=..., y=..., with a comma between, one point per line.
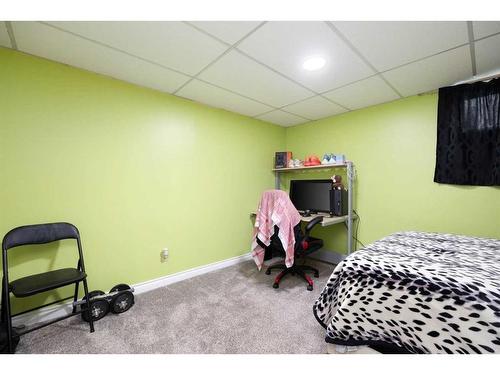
x=351, y=216
x=327, y=219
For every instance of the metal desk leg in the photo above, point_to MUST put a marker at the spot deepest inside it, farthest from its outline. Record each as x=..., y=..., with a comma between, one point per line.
x=350, y=191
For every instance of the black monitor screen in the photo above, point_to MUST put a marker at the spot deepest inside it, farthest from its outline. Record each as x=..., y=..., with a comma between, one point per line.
x=311, y=195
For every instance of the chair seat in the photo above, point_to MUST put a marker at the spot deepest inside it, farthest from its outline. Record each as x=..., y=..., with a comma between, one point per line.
x=314, y=244
x=42, y=282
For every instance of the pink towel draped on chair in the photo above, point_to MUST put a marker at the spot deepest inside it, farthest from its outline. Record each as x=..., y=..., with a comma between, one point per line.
x=275, y=208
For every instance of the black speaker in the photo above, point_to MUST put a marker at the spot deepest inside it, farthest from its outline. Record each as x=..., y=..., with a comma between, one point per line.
x=338, y=202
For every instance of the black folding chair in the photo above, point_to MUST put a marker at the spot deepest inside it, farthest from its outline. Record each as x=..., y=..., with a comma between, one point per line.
x=42, y=282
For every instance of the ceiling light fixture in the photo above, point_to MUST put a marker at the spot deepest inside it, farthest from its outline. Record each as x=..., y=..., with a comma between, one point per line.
x=314, y=63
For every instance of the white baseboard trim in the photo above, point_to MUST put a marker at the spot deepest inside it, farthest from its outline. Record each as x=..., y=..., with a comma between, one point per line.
x=328, y=256
x=57, y=311
x=183, y=275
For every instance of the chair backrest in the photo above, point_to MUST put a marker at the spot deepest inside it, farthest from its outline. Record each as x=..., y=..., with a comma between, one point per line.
x=39, y=234
x=275, y=245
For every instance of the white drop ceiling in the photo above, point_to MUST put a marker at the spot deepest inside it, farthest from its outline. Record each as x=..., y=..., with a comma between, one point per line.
x=255, y=68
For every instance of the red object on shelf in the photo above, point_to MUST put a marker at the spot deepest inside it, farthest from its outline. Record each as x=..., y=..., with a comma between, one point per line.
x=312, y=160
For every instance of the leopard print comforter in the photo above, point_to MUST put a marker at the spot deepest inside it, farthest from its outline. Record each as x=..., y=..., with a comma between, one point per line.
x=420, y=292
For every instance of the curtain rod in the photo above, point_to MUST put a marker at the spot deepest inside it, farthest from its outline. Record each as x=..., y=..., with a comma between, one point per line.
x=478, y=79
x=471, y=80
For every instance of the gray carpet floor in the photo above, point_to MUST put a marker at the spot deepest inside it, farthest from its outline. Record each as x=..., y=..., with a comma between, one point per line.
x=233, y=310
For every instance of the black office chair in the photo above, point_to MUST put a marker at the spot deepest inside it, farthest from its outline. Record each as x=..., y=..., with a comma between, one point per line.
x=42, y=282
x=304, y=245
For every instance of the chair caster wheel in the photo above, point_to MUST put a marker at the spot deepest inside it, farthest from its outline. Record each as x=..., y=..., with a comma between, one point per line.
x=309, y=287
x=276, y=285
x=316, y=275
x=268, y=272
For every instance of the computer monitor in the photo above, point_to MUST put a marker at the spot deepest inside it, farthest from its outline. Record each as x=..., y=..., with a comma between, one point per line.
x=312, y=195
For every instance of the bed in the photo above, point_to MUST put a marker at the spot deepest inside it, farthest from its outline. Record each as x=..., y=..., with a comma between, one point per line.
x=415, y=292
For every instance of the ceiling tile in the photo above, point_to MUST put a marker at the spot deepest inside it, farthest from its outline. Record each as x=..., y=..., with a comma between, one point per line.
x=485, y=28
x=227, y=31
x=315, y=108
x=431, y=73
x=4, y=36
x=364, y=93
x=286, y=45
x=172, y=44
x=488, y=54
x=216, y=97
x=45, y=41
x=389, y=44
x=282, y=118
x=244, y=76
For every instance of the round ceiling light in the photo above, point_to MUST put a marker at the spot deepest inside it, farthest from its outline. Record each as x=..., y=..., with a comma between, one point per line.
x=314, y=63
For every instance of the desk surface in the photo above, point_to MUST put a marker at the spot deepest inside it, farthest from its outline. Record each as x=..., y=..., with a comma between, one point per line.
x=327, y=219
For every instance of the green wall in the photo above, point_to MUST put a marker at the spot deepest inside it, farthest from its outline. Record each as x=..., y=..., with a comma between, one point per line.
x=138, y=170
x=134, y=169
x=393, y=148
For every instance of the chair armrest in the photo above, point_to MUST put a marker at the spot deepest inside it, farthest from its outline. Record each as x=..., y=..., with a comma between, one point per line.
x=312, y=223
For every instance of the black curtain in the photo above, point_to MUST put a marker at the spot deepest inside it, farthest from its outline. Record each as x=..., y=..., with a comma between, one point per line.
x=468, y=134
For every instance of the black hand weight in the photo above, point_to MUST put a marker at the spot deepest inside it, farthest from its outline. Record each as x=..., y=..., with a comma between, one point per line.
x=99, y=307
x=122, y=302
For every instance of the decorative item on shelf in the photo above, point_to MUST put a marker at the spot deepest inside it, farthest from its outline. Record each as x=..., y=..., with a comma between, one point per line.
x=282, y=159
x=333, y=159
x=295, y=163
x=327, y=159
x=339, y=158
x=312, y=160
x=337, y=182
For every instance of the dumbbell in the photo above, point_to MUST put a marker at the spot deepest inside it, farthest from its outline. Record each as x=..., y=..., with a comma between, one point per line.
x=99, y=306
x=122, y=299
x=119, y=299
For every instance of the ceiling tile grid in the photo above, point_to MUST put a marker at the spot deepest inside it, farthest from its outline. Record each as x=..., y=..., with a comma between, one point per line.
x=431, y=73
x=211, y=95
x=255, y=68
x=315, y=108
x=364, y=93
x=172, y=44
x=390, y=44
x=227, y=31
x=488, y=54
x=45, y=41
x=485, y=28
x=243, y=75
x=285, y=45
x=282, y=118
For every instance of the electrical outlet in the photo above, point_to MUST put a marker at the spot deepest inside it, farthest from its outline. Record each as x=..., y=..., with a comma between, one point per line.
x=163, y=255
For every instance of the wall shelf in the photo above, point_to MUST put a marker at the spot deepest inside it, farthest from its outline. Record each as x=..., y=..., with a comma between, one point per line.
x=321, y=166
